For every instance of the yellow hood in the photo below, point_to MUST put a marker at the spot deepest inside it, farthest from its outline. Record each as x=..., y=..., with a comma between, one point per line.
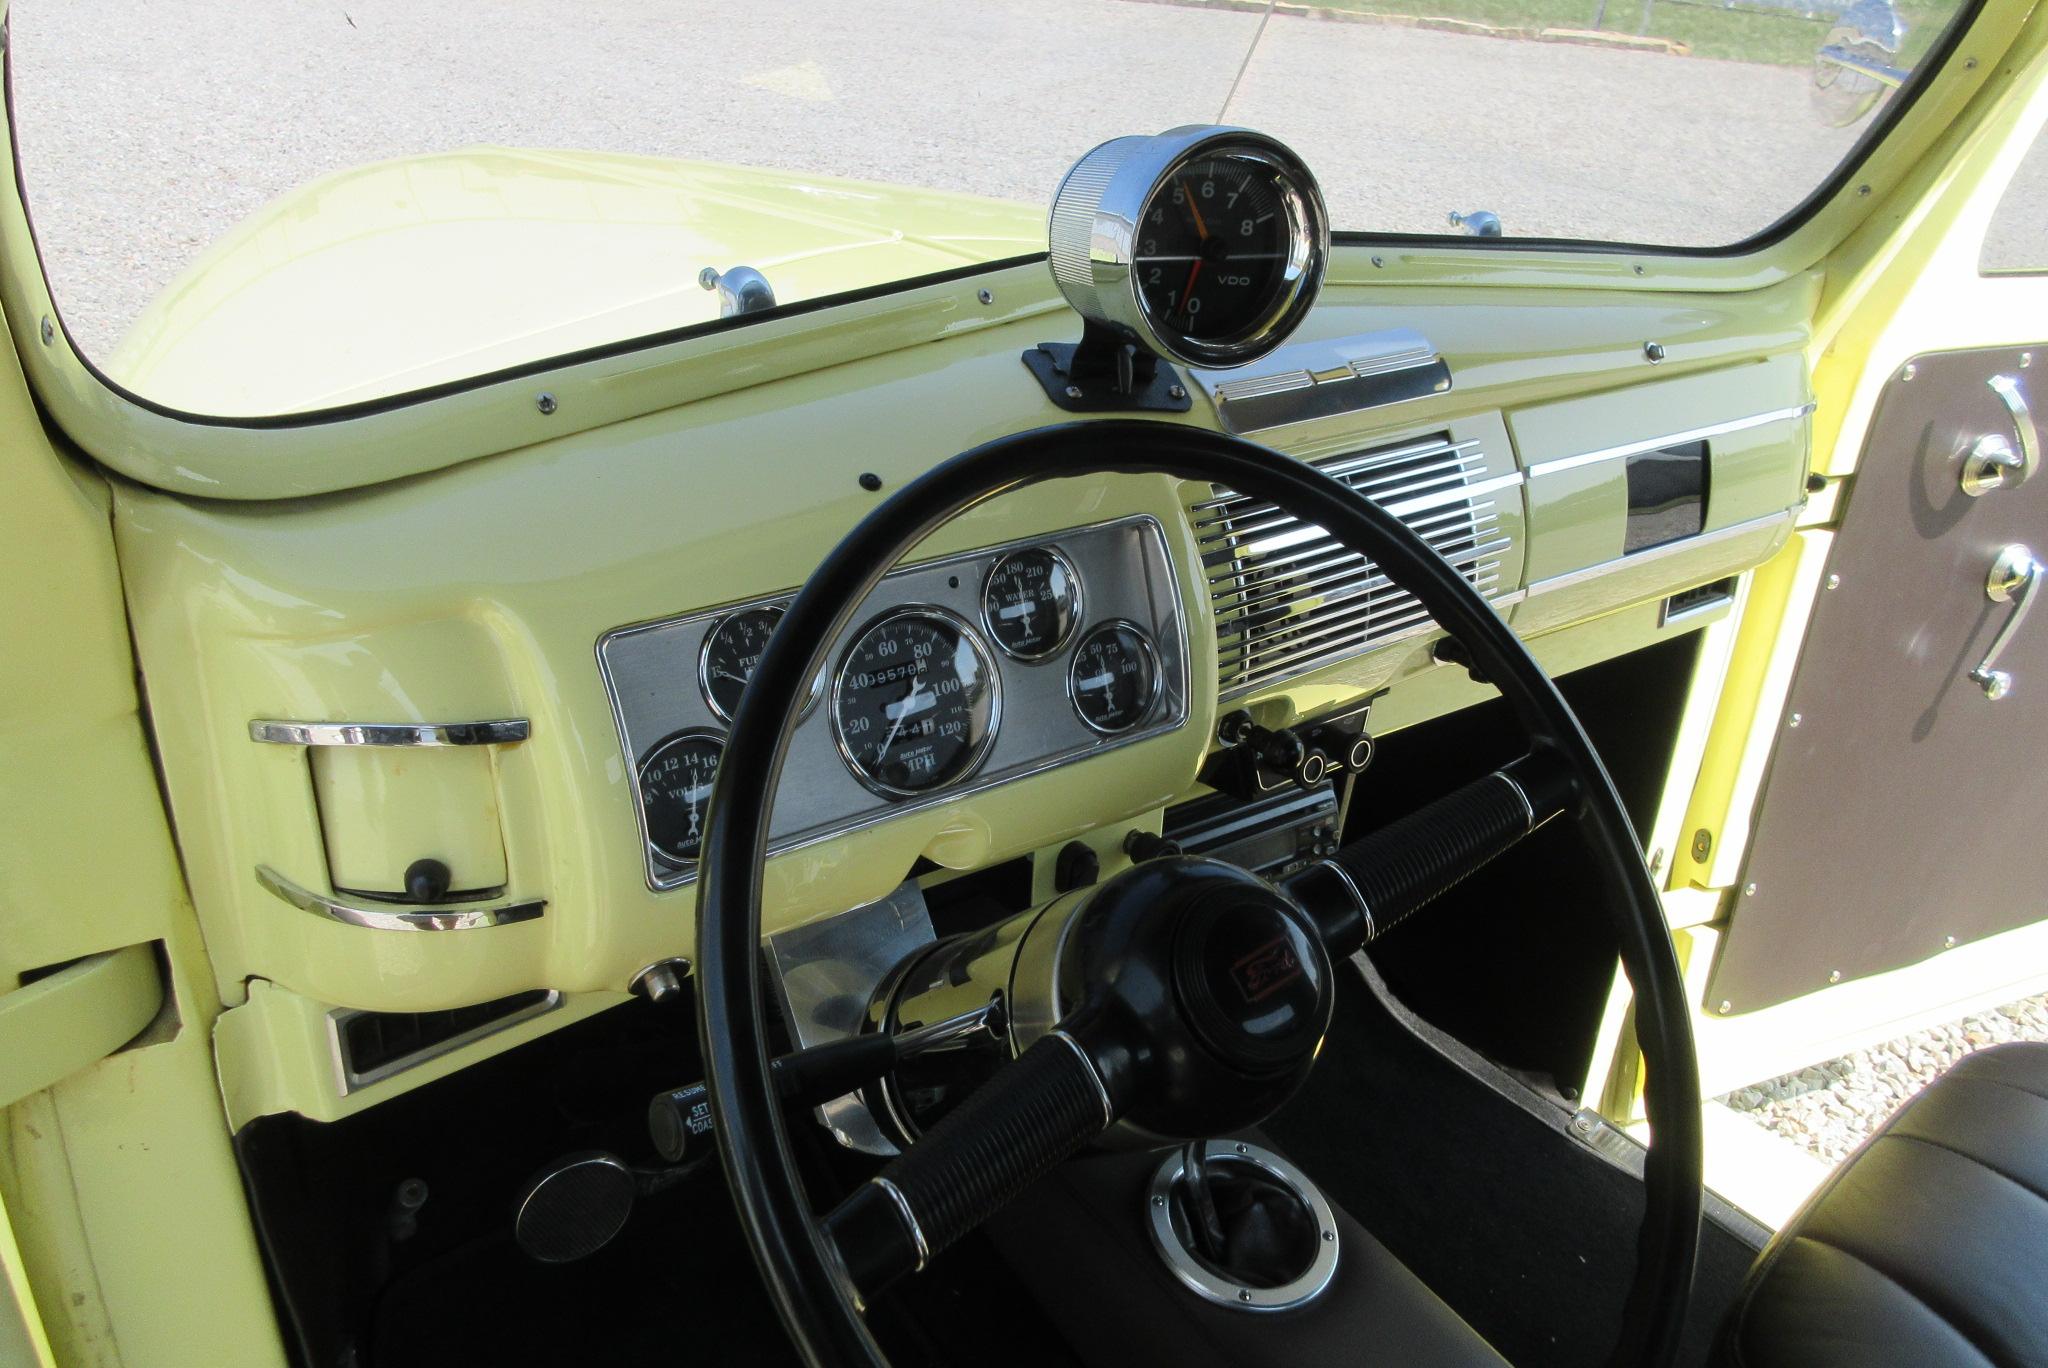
x=405, y=274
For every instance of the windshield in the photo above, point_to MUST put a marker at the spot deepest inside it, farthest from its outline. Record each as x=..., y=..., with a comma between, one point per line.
x=261, y=209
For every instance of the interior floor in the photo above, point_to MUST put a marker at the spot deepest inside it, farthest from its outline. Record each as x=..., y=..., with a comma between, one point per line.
x=1477, y=1183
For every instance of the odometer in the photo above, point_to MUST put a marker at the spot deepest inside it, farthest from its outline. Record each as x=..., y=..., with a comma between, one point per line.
x=915, y=701
x=1031, y=601
x=1114, y=678
x=675, y=787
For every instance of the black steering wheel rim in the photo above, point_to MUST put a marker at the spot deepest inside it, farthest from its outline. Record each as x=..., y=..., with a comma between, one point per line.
x=798, y=1264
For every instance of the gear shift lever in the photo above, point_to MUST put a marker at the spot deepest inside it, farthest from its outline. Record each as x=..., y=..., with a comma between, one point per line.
x=1205, y=1225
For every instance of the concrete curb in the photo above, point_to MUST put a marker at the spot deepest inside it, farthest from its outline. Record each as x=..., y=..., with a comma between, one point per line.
x=1438, y=24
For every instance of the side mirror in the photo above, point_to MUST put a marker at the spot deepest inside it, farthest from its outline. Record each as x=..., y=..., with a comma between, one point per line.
x=1857, y=62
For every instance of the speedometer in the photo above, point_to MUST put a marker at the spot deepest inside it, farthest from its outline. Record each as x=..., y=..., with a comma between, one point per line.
x=915, y=702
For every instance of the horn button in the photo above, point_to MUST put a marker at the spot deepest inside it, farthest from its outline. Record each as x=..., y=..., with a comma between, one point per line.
x=1211, y=982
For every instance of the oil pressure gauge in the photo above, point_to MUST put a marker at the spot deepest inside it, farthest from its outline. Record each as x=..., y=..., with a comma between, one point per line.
x=1114, y=678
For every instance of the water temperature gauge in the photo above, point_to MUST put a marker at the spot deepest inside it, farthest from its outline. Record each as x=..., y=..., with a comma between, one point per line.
x=675, y=791
x=1031, y=602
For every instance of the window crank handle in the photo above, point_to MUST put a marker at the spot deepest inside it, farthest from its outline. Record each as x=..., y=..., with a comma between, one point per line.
x=2014, y=578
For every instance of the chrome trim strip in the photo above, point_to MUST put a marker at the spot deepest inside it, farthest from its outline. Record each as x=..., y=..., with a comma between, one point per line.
x=1528, y=808
x=1615, y=453
x=348, y=1080
x=1667, y=550
x=503, y=731
x=454, y=917
x=1094, y=1075
x=1364, y=908
x=924, y=1251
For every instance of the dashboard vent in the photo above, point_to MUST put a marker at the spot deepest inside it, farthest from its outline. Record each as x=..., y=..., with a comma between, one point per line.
x=1288, y=597
x=374, y=1045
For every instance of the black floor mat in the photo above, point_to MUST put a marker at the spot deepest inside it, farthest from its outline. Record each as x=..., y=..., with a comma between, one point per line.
x=1528, y=1234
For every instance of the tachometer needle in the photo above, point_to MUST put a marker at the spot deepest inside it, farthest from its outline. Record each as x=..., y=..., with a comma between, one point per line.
x=1187, y=293
x=1201, y=228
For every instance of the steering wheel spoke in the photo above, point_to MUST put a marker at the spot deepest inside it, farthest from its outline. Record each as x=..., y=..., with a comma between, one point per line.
x=1374, y=884
x=1035, y=1112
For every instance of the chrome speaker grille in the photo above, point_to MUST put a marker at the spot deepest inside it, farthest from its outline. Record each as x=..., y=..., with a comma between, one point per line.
x=1288, y=598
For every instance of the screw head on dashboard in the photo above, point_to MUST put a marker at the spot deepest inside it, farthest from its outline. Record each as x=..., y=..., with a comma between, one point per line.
x=545, y=402
x=1073, y=391
x=985, y=296
x=870, y=481
x=49, y=331
x=1177, y=392
x=1653, y=352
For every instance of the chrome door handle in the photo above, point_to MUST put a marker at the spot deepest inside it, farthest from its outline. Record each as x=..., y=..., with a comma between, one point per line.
x=1991, y=463
x=2014, y=577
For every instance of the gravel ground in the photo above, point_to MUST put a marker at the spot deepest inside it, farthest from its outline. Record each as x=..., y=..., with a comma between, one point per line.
x=1831, y=1108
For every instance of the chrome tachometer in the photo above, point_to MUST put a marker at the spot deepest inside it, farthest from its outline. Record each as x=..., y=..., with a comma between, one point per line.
x=915, y=703
x=1205, y=245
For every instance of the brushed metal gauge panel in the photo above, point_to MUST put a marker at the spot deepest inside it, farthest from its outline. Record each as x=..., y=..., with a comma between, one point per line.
x=651, y=673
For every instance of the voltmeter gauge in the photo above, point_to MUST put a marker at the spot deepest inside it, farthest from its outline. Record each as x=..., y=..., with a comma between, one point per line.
x=1031, y=602
x=675, y=792
x=1114, y=679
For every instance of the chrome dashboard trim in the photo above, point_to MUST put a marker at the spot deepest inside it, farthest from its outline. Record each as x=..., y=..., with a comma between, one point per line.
x=398, y=917
x=1649, y=444
x=501, y=732
x=1654, y=554
x=1176, y=682
x=1327, y=379
x=1196, y=1275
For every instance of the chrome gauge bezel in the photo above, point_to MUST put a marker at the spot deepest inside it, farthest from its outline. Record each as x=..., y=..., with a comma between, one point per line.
x=704, y=661
x=711, y=734
x=1080, y=609
x=1152, y=664
x=984, y=657
x=1093, y=236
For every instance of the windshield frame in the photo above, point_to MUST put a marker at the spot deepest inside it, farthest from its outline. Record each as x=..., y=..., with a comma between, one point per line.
x=170, y=448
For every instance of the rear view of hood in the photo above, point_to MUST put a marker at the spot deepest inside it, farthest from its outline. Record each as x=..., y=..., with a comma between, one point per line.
x=392, y=277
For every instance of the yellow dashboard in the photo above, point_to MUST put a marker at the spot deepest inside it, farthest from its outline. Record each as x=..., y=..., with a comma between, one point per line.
x=488, y=605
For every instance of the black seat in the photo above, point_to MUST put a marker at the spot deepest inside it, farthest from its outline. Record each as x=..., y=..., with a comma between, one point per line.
x=1928, y=1247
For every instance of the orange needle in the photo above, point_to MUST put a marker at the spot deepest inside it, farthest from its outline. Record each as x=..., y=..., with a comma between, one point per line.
x=1201, y=228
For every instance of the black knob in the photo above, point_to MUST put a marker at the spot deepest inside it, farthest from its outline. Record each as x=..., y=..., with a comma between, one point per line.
x=1145, y=845
x=426, y=881
x=1077, y=867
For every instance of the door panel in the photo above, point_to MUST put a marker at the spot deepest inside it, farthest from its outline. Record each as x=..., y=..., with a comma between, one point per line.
x=1894, y=821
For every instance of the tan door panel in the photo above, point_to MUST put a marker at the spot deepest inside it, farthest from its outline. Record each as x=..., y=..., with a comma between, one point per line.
x=1898, y=815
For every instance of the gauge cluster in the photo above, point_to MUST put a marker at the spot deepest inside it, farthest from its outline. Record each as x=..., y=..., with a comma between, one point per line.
x=957, y=674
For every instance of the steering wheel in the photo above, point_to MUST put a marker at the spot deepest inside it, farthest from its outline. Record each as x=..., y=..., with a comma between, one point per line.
x=1111, y=1058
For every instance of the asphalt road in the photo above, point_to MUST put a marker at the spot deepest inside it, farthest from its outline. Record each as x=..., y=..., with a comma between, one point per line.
x=148, y=129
